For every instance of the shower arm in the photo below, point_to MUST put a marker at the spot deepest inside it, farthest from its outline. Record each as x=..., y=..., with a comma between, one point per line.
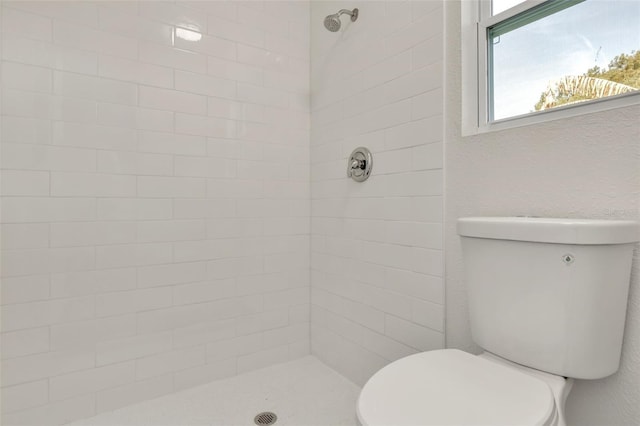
x=353, y=14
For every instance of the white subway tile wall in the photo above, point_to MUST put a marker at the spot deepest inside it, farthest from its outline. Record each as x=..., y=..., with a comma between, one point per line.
x=376, y=247
x=156, y=198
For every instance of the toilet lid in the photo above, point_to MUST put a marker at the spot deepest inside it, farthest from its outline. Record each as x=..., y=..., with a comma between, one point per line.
x=451, y=387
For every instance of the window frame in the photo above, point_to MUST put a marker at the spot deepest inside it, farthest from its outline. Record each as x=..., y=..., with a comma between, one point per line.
x=476, y=19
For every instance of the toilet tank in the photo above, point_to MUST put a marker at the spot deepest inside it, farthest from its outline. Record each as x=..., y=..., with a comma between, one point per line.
x=550, y=294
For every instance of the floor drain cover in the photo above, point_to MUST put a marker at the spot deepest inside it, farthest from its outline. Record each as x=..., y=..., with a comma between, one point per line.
x=265, y=419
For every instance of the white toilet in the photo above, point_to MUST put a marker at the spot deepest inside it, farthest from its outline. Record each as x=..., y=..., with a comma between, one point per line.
x=547, y=302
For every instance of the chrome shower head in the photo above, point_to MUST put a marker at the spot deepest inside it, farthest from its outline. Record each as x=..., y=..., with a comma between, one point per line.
x=333, y=23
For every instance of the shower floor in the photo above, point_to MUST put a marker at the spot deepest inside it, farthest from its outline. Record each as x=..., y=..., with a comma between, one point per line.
x=300, y=392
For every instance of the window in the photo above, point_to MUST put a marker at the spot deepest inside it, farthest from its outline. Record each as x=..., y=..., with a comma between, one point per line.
x=532, y=61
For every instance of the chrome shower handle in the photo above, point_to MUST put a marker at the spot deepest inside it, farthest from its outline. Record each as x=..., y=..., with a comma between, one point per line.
x=359, y=164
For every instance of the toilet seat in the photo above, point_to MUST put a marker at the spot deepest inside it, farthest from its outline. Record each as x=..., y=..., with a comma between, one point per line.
x=452, y=387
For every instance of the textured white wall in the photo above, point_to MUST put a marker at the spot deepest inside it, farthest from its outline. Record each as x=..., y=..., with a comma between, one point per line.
x=376, y=269
x=586, y=166
x=155, y=199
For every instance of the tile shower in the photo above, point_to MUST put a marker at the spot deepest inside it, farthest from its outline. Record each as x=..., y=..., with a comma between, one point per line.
x=171, y=215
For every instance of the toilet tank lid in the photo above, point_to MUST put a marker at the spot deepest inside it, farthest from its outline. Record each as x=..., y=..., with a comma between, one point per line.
x=551, y=230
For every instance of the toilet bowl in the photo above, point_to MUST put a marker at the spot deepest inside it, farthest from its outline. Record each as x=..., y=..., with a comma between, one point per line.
x=452, y=387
